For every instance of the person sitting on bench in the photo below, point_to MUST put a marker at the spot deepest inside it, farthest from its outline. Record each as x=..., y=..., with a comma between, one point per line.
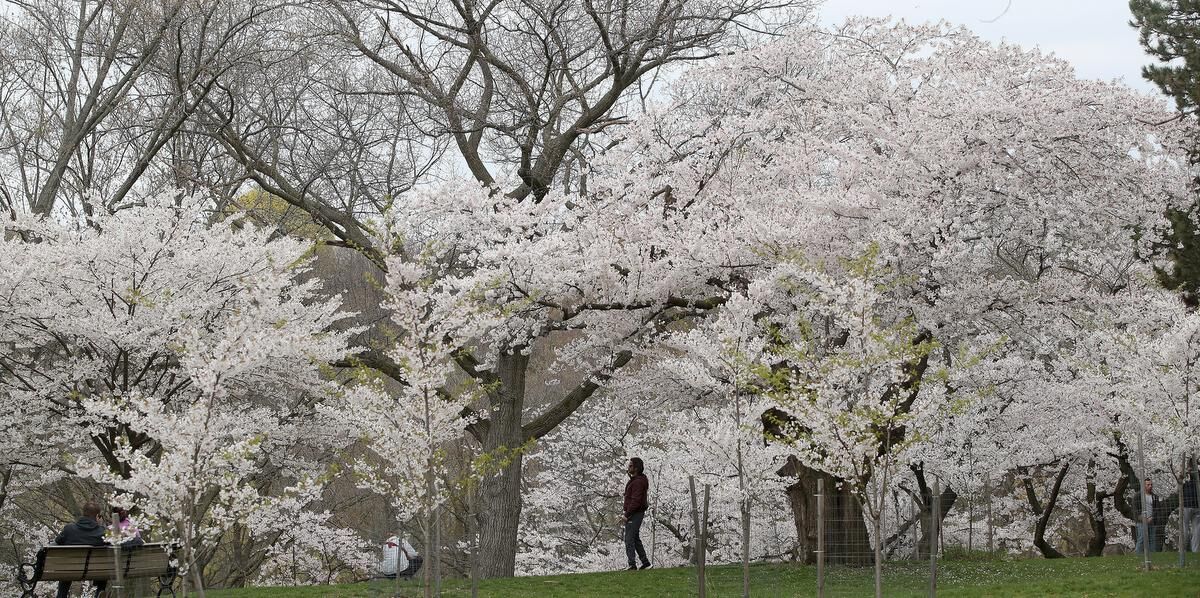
x=86, y=531
x=124, y=531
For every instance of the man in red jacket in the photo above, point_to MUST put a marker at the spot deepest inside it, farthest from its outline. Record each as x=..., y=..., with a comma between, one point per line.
x=636, y=490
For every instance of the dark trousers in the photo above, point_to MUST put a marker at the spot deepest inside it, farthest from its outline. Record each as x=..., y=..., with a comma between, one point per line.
x=633, y=539
x=64, y=588
x=1158, y=533
x=414, y=565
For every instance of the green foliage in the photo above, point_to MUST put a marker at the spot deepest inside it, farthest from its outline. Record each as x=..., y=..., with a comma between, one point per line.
x=1105, y=576
x=497, y=460
x=267, y=211
x=1169, y=30
x=1182, y=247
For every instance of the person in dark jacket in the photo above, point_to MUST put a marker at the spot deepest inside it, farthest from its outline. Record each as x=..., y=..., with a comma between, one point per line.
x=1191, y=510
x=86, y=531
x=636, y=490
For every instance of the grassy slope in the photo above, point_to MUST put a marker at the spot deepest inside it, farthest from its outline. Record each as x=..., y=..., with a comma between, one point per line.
x=1108, y=576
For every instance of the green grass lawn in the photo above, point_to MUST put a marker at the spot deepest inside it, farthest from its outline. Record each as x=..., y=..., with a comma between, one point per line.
x=1107, y=576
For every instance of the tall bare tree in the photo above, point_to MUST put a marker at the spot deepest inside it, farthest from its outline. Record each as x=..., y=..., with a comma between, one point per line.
x=321, y=130
x=94, y=90
x=524, y=88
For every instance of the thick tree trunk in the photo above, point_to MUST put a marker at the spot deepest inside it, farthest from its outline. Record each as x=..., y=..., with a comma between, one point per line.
x=43, y=204
x=500, y=491
x=947, y=499
x=1095, y=516
x=846, y=539
x=1045, y=511
x=505, y=438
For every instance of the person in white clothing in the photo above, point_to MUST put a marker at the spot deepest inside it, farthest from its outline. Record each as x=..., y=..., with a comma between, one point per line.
x=399, y=558
x=1145, y=504
x=392, y=558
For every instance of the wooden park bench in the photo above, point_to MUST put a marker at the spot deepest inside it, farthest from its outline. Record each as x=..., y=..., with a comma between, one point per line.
x=95, y=563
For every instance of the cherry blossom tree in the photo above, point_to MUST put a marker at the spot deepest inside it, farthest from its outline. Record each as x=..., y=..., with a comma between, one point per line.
x=999, y=195
x=727, y=348
x=680, y=431
x=488, y=80
x=882, y=255
x=172, y=359
x=432, y=315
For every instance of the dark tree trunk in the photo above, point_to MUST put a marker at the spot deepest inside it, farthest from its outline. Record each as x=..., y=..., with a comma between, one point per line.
x=1045, y=511
x=4, y=479
x=500, y=491
x=924, y=500
x=1127, y=481
x=846, y=539
x=1095, y=516
x=505, y=438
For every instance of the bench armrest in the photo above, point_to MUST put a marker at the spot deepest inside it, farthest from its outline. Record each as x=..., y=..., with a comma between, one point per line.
x=27, y=577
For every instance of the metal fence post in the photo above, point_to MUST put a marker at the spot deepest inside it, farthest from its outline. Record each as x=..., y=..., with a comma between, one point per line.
x=935, y=531
x=987, y=488
x=820, y=537
x=916, y=516
x=1145, y=528
x=879, y=520
x=1182, y=518
x=117, y=588
x=970, y=521
x=697, y=540
x=704, y=539
x=1194, y=531
x=653, y=527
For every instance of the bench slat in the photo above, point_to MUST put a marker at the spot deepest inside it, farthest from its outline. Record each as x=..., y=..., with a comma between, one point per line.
x=100, y=575
x=107, y=567
x=107, y=558
x=75, y=563
x=104, y=561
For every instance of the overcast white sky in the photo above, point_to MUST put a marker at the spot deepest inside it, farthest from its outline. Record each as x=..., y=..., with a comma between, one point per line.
x=1094, y=35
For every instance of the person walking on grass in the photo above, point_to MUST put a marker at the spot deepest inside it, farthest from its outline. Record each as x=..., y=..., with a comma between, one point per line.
x=636, y=491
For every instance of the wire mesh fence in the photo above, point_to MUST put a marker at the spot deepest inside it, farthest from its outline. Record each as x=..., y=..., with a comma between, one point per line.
x=904, y=539
x=891, y=539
